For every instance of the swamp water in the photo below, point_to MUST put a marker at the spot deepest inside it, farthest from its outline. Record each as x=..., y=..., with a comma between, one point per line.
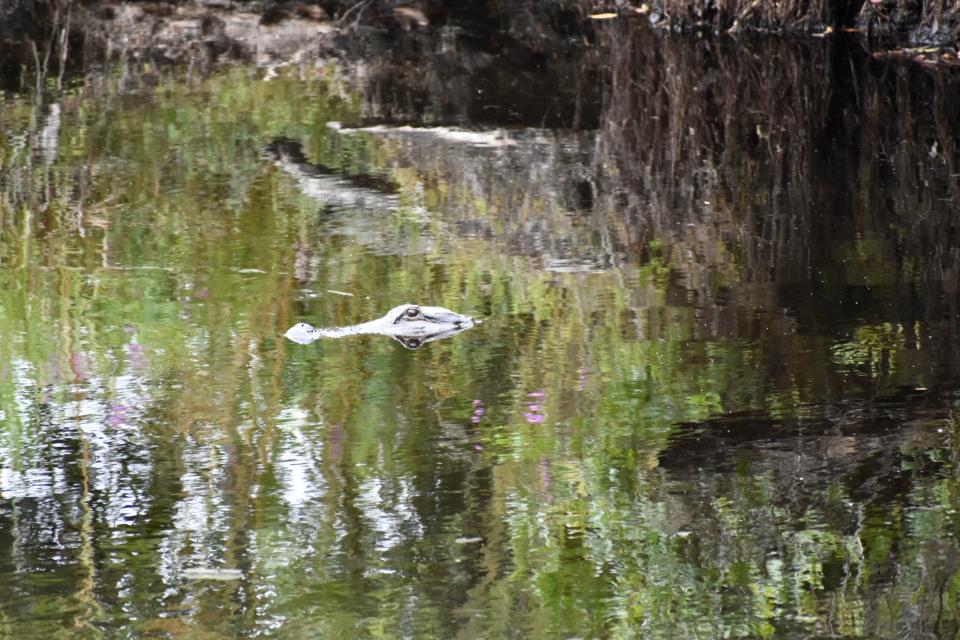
x=714, y=393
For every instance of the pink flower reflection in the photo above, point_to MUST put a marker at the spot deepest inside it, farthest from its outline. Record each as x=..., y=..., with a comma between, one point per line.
x=136, y=355
x=533, y=418
x=117, y=415
x=478, y=411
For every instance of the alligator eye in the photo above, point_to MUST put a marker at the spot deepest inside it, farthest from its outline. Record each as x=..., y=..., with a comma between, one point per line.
x=412, y=312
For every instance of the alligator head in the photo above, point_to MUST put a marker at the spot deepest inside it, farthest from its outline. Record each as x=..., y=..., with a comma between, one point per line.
x=411, y=325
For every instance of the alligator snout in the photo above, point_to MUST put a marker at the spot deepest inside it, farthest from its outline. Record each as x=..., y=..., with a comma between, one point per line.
x=465, y=322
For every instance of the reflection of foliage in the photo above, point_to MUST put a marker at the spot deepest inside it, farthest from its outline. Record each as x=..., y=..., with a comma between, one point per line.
x=149, y=269
x=872, y=347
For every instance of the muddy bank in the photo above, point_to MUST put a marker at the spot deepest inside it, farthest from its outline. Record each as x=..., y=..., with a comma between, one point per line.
x=44, y=39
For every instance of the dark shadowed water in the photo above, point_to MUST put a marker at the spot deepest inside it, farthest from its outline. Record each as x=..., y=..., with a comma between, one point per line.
x=714, y=394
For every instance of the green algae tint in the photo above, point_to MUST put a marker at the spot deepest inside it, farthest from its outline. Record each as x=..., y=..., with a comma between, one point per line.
x=713, y=394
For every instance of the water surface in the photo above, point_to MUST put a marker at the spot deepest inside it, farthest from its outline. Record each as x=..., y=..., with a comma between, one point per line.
x=714, y=393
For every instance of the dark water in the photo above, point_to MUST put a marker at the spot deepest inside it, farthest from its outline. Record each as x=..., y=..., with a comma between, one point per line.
x=714, y=394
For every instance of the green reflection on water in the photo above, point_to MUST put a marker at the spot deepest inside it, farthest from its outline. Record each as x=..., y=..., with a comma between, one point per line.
x=514, y=481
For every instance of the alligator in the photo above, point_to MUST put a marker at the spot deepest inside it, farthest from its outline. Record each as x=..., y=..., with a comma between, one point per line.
x=411, y=325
